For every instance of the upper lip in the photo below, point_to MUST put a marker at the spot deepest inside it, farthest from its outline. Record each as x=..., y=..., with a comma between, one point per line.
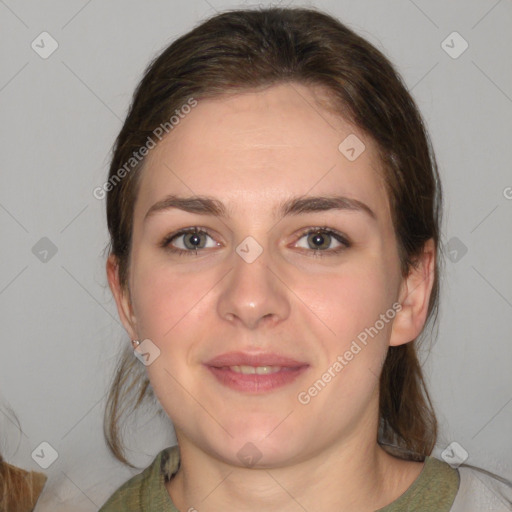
x=246, y=359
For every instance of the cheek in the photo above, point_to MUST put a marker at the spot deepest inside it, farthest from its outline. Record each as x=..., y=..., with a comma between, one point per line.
x=170, y=308
x=356, y=306
x=350, y=300
x=166, y=299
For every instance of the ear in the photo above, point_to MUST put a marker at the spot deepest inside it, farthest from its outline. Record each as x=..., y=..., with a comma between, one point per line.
x=414, y=296
x=122, y=297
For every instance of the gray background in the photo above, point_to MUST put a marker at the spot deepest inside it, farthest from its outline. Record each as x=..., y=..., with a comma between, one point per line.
x=60, y=115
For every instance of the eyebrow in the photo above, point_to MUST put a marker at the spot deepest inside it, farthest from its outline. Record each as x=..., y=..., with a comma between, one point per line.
x=206, y=205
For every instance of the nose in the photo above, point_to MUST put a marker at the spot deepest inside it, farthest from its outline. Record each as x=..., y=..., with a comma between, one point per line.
x=254, y=294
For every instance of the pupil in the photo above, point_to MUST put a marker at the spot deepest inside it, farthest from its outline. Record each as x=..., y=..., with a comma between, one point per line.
x=318, y=240
x=194, y=241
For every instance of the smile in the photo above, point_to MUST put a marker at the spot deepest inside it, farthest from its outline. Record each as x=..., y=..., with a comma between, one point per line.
x=255, y=379
x=259, y=370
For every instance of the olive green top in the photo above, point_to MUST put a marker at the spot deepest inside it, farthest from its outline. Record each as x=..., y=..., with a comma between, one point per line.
x=433, y=490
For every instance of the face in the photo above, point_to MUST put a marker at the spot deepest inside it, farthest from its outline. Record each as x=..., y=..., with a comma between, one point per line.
x=260, y=310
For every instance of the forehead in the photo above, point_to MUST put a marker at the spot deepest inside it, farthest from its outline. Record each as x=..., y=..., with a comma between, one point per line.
x=250, y=148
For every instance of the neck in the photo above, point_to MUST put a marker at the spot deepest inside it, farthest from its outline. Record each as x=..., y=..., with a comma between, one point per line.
x=351, y=476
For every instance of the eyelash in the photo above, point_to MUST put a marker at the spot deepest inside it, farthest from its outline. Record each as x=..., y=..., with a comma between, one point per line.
x=316, y=253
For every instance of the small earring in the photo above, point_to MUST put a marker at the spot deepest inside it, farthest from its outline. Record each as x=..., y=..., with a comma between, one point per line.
x=135, y=343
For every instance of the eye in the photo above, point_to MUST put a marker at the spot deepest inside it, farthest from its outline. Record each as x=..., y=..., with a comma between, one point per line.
x=188, y=241
x=320, y=240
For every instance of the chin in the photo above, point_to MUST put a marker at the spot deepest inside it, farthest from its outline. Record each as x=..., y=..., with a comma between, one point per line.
x=257, y=449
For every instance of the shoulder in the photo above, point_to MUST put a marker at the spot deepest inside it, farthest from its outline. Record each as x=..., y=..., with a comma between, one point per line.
x=480, y=489
x=435, y=488
x=142, y=490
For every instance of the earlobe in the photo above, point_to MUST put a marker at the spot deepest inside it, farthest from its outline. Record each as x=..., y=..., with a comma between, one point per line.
x=414, y=296
x=121, y=296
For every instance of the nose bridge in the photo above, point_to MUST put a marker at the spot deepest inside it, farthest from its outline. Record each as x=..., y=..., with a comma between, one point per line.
x=253, y=294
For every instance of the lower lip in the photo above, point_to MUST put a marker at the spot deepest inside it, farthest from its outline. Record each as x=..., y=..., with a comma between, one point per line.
x=254, y=383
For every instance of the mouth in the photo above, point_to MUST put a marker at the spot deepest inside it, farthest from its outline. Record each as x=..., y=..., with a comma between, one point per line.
x=255, y=373
x=259, y=370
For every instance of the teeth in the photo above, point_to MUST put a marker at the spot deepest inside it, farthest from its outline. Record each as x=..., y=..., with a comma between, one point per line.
x=259, y=370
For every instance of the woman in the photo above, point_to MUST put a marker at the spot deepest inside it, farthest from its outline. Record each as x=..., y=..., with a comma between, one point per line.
x=274, y=208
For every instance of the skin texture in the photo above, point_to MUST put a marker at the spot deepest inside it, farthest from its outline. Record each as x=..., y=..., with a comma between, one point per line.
x=253, y=151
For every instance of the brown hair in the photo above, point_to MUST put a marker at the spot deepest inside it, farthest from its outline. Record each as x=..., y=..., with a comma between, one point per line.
x=245, y=50
x=19, y=489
